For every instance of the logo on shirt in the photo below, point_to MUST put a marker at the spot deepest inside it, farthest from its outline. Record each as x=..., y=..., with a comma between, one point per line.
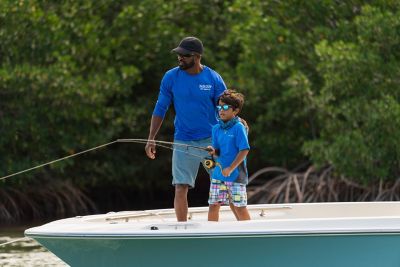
x=205, y=87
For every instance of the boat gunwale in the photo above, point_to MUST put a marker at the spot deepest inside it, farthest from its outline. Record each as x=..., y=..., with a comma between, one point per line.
x=149, y=213
x=227, y=235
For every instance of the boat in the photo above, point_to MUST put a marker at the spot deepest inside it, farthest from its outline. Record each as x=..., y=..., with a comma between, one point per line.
x=333, y=234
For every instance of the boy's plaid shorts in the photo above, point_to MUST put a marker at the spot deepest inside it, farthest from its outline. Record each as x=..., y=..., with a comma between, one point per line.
x=222, y=192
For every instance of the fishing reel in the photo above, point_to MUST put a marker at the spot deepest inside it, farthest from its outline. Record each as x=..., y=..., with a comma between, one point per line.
x=209, y=163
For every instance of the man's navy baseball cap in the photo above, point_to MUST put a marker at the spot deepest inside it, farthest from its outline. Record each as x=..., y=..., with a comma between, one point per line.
x=189, y=45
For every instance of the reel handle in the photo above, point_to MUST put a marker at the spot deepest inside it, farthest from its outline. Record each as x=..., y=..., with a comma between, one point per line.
x=209, y=163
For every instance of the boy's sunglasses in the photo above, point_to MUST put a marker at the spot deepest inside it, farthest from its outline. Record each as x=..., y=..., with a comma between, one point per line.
x=224, y=107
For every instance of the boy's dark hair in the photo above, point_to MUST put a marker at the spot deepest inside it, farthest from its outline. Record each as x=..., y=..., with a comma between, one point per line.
x=233, y=98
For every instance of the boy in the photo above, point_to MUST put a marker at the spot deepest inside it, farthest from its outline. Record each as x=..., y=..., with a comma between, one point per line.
x=230, y=144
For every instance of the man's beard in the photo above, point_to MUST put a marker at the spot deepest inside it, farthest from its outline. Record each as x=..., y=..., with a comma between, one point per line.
x=185, y=66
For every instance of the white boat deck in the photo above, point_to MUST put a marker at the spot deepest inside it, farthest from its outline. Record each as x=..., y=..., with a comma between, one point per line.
x=267, y=219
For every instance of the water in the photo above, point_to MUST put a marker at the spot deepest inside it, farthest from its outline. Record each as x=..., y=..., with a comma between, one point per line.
x=25, y=253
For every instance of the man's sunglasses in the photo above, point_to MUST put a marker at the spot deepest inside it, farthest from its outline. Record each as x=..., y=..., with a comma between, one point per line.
x=224, y=107
x=186, y=55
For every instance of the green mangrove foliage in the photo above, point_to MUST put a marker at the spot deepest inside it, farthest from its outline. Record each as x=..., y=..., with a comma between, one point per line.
x=320, y=79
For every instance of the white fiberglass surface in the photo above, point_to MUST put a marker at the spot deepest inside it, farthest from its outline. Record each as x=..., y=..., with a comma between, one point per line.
x=268, y=218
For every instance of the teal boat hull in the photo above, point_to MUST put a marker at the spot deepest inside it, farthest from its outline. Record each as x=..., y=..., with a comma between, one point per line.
x=365, y=234
x=329, y=250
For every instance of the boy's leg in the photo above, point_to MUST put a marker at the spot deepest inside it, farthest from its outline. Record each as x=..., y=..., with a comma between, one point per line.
x=238, y=199
x=233, y=210
x=217, y=196
x=213, y=212
x=242, y=213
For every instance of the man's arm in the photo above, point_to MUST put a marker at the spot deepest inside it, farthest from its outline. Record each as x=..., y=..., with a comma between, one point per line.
x=155, y=125
x=245, y=124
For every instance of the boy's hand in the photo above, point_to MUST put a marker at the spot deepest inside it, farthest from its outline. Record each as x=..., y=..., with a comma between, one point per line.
x=211, y=150
x=227, y=171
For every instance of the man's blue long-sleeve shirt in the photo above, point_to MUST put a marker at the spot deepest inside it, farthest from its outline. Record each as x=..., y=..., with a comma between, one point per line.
x=194, y=97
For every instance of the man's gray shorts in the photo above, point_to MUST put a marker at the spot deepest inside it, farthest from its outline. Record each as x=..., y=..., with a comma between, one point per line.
x=186, y=160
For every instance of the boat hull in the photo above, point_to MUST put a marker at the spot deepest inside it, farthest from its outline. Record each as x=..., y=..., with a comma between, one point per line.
x=365, y=234
x=328, y=250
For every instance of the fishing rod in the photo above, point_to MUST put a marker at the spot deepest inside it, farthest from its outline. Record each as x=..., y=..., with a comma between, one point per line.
x=208, y=162
x=157, y=142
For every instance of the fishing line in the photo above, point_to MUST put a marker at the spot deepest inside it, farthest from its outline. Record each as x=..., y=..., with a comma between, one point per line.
x=54, y=161
x=13, y=241
x=207, y=163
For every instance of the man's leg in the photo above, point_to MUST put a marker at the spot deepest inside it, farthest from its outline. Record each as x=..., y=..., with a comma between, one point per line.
x=181, y=202
x=185, y=165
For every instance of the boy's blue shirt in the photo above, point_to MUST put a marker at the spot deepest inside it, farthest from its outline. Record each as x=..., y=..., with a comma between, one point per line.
x=229, y=142
x=194, y=98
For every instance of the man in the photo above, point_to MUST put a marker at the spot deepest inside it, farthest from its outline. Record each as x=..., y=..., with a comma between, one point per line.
x=193, y=89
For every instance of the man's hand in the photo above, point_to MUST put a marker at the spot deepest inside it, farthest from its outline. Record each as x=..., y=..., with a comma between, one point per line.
x=211, y=150
x=150, y=149
x=155, y=125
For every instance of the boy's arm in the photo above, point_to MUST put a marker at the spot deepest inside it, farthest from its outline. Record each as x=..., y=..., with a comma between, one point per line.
x=239, y=158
